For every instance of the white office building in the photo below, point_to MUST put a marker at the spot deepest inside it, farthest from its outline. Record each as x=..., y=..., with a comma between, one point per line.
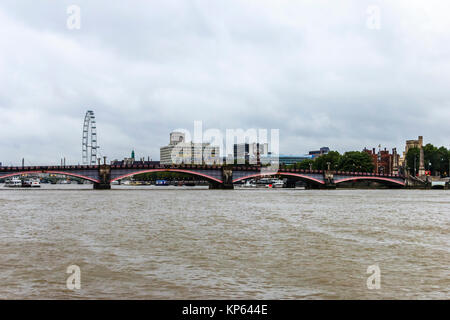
x=181, y=152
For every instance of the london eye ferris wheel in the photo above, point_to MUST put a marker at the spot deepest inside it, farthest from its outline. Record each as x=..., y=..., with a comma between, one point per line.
x=89, y=140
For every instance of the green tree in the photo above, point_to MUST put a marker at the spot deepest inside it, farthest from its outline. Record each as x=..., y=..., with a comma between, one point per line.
x=436, y=159
x=356, y=161
x=431, y=157
x=444, y=160
x=413, y=158
x=306, y=164
x=321, y=162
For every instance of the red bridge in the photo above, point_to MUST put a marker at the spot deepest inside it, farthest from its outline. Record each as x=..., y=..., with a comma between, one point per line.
x=220, y=177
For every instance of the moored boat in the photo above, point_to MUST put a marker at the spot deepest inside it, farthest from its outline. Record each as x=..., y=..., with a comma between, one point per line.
x=35, y=183
x=13, y=183
x=270, y=183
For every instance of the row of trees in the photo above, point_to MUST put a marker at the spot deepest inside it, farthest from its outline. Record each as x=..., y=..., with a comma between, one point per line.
x=350, y=161
x=437, y=160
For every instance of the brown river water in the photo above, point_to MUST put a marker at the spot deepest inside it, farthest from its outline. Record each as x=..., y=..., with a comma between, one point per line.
x=193, y=243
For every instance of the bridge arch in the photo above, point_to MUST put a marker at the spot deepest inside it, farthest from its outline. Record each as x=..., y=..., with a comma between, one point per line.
x=14, y=174
x=299, y=176
x=194, y=173
x=386, y=180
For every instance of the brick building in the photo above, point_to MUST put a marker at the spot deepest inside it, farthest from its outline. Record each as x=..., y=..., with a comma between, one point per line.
x=384, y=161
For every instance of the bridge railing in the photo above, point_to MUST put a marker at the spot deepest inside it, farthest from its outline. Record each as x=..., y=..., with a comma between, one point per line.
x=43, y=168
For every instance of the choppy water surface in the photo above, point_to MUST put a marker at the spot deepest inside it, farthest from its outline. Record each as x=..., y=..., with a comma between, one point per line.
x=143, y=243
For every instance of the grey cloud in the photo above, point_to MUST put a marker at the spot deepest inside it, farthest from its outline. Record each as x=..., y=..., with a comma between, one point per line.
x=311, y=69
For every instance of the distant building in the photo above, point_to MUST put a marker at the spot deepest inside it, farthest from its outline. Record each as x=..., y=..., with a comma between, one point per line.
x=132, y=160
x=410, y=144
x=318, y=153
x=181, y=152
x=249, y=152
x=384, y=161
x=293, y=159
x=176, y=137
x=415, y=144
x=129, y=161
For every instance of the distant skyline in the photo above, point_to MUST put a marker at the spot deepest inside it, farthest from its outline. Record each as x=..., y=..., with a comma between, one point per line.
x=316, y=70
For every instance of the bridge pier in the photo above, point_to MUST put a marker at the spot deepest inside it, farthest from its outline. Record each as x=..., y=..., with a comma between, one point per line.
x=328, y=177
x=104, y=173
x=102, y=186
x=227, y=180
x=290, y=183
x=220, y=186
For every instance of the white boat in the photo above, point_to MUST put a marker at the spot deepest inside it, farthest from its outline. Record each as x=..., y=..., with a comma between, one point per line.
x=270, y=183
x=13, y=183
x=249, y=184
x=35, y=183
x=263, y=183
x=26, y=184
x=277, y=183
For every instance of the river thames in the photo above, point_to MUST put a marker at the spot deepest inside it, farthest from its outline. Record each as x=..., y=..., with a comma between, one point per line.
x=192, y=243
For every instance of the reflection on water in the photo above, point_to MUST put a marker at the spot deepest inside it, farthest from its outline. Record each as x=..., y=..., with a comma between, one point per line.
x=180, y=242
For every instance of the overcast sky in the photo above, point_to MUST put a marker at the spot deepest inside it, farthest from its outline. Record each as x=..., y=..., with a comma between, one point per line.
x=319, y=71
